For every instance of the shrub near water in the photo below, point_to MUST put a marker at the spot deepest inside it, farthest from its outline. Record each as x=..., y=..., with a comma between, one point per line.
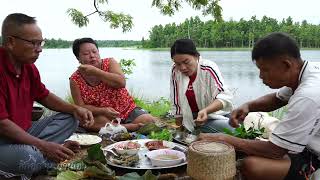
x=157, y=108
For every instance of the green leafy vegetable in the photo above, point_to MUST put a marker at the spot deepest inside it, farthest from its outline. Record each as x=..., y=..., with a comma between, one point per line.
x=69, y=175
x=97, y=173
x=242, y=132
x=165, y=134
x=148, y=128
x=95, y=154
x=135, y=176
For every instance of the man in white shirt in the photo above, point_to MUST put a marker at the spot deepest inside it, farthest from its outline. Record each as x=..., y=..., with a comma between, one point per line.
x=293, y=149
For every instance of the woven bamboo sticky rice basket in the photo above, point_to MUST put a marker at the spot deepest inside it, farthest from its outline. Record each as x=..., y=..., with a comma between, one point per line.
x=211, y=161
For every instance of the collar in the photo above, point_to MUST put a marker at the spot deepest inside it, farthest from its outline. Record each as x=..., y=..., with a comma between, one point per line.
x=8, y=66
x=305, y=63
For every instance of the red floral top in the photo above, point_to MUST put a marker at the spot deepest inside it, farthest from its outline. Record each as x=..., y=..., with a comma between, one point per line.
x=102, y=95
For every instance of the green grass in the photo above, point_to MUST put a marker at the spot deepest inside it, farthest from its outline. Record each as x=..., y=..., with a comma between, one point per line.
x=158, y=108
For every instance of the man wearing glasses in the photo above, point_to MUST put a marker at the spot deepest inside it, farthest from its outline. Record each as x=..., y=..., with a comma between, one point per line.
x=25, y=147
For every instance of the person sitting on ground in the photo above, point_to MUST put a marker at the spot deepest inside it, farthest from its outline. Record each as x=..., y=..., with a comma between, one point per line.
x=293, y=149
x=198, y=90
x=27, y=148
x=99, y=85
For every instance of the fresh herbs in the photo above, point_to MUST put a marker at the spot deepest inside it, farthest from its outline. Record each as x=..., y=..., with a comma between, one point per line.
x=242, y=132
x=165, y=134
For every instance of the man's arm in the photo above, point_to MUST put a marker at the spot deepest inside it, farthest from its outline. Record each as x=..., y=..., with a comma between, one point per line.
x=55, y=103
x=266, y=103
x=13, y=132
x=250, y=147
x=53, y=151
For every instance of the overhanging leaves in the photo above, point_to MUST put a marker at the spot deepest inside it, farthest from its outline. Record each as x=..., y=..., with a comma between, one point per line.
x=77, y=17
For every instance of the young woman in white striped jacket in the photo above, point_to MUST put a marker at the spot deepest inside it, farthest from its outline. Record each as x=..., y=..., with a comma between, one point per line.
x=199, y=95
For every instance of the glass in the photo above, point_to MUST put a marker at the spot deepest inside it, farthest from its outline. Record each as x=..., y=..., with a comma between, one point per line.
x=35, y=43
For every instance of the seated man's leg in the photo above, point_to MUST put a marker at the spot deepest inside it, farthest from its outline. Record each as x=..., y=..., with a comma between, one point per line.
x=253, y=168
x=22, y=160
x=55, y=128
x=216, y=126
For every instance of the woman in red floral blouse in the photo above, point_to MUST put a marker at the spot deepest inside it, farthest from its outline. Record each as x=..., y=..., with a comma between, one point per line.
x=99, y=85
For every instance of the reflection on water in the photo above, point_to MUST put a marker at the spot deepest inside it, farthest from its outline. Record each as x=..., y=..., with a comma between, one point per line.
x=151, y=75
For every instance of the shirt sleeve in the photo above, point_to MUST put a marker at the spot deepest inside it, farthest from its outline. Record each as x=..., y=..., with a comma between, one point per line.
x=298, y=126
x=40, y=91
x=174, y=96
x=284, y=93
x=3, y=108
x=219, y=88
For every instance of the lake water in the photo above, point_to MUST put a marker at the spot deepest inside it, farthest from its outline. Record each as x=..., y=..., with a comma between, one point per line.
x=151, y=75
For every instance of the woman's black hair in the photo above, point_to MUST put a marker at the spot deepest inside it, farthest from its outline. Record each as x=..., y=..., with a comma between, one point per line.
x=275, y=44
x=76, y=45
x=184, y=46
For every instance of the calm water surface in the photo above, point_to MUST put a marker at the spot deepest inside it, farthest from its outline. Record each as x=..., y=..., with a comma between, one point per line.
x=151, y=75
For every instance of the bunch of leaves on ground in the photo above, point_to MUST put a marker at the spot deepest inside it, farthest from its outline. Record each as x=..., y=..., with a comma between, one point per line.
x=242, y=132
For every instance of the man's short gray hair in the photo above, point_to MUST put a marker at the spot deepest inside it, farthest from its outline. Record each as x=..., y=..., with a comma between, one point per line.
x=12, y=24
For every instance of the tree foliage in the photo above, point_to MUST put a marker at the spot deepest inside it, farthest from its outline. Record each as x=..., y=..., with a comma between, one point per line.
x=242, y=33
x=124, y=21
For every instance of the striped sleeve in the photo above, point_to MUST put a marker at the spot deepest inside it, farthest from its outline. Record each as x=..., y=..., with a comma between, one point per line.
x=214, y=74
x=217, y=86
x=174, y=96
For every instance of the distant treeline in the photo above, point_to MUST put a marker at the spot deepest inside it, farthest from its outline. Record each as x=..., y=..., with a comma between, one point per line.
x=242, y=33
x=59, y=43
x=52, y=43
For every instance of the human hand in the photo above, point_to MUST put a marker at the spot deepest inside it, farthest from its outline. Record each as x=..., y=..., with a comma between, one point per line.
x=202, y=117
x=87, y=69
x=84, y=116
x=111, y=113
x=55, y=152
x=72, y=145
x=238, y=115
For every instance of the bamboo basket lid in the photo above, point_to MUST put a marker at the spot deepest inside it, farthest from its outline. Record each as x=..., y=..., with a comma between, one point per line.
x=211, y=161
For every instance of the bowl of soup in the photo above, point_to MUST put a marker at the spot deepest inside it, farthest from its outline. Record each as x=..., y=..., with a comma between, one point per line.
x=166, y=157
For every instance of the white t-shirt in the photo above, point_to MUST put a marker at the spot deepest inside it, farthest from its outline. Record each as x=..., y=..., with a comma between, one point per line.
x=300, y=126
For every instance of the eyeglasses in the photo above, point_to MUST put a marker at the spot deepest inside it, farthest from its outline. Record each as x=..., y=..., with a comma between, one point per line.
x=35, y=43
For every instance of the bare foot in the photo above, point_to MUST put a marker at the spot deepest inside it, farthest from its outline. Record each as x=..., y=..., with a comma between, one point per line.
x=73, y=146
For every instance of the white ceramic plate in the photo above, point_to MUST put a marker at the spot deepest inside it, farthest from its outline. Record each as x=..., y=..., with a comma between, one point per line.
x=85, y=139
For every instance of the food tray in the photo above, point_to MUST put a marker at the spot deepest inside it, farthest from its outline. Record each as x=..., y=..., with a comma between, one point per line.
x=144, y=162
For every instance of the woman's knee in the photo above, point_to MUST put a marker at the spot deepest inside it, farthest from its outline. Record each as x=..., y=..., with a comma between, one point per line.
x=144, y=118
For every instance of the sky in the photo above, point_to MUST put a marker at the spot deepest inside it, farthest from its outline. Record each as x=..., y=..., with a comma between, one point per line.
x=55, y=23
